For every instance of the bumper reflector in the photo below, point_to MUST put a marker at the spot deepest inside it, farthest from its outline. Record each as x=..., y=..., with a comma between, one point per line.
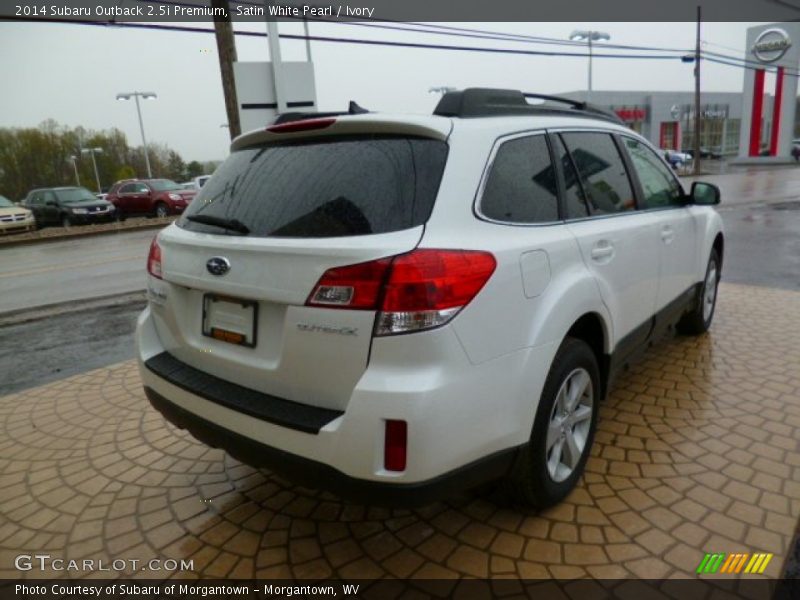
x=396, y=440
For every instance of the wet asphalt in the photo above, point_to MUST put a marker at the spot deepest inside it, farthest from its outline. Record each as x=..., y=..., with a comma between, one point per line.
x=762, y=245
x=761, y=212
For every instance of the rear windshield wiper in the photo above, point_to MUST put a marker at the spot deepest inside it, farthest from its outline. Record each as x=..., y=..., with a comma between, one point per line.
x=230, y=224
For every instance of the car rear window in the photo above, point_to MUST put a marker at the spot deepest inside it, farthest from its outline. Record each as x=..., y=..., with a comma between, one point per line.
x=328, y=187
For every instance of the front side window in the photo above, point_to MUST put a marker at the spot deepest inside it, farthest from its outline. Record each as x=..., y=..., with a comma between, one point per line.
x=325, y=187
x=602, y=172
x=133, y=188
x=658, y=184
x=521, y=187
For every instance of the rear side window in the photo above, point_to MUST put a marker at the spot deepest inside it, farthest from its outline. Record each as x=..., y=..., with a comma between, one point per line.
x=521, y=187
x=327, y=187
x=602, y=172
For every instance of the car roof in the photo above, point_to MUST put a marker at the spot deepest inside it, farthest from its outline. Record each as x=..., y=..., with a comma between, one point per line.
x=436, y=127
x=498, y=109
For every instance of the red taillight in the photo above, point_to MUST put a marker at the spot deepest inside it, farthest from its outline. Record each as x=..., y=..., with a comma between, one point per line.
x=154, y=259
x=395, y=446
x=354, y=286
x=436, y=279
x=302, y=125
x=419, y=290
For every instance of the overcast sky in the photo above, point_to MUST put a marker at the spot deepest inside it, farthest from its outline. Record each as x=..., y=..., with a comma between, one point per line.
x=72, y=73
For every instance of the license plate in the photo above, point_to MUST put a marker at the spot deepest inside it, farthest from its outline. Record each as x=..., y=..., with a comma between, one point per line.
x=230, y=320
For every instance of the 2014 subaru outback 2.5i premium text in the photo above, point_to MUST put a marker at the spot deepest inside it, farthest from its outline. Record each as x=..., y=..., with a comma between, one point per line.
x=397, y=307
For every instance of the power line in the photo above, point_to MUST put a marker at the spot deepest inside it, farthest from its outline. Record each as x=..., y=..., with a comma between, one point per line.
x=360, y=41
x=720, y=59
x=436, y=29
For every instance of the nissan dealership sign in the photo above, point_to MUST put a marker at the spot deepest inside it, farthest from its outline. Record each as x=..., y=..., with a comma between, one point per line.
x=771, y=45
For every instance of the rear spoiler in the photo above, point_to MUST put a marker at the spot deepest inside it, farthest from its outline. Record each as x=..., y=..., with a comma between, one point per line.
x=320, y=125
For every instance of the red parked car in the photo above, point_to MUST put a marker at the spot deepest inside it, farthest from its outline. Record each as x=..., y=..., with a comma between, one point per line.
x=152, y=197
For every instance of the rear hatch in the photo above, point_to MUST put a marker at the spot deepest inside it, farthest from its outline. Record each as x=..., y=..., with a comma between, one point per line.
x=279, y=212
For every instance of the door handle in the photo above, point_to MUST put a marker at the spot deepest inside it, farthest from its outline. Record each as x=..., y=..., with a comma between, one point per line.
x=667, y=235
x=602, y=252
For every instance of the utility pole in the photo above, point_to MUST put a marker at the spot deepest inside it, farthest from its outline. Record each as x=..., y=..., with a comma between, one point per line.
x=226, y=49
x=696, y=157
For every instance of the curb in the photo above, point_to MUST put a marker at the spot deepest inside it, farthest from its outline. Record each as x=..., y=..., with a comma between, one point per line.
x=25, y=315
x=81, y=231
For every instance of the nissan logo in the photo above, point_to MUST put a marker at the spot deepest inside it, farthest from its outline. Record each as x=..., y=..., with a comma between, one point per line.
x=771, y=45
x=219, y=265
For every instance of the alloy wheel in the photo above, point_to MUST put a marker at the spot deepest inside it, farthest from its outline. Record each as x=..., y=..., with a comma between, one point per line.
x=570, y=424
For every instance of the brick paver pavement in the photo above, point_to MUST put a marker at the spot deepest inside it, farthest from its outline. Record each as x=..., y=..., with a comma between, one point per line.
x=697, y=451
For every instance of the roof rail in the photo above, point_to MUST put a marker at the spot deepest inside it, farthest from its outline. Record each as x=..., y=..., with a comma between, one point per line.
x=352, y=109
x=489, y=102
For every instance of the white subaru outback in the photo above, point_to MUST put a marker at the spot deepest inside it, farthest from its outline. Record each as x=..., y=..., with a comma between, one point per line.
x=396, y=307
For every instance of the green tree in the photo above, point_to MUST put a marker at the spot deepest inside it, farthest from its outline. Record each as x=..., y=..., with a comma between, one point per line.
x=40, y=156
x=125, y=172
x=176, y=168
x=194, y=169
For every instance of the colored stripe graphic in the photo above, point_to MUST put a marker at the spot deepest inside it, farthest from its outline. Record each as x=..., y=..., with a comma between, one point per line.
x=711, y=563
x=728, y=565
x=735, y=563
x=701, y=567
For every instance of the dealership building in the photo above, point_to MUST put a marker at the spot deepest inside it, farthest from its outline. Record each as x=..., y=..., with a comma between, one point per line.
x=756, y=125
x=667, y=118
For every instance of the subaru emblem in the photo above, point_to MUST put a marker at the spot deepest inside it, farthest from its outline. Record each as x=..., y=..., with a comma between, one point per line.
x=219, y=265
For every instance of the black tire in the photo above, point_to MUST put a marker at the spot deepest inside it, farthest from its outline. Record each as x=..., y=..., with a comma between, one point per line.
x=698, y=320
x=161, y=210
x=66, y=222
x=530, y=481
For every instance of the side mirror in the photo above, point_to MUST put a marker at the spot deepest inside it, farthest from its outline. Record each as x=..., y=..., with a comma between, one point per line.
x=50, y=203
x=705, y=194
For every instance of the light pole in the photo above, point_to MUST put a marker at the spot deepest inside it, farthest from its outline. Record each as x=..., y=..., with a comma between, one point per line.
x=94, y=163
x=74, y=159
x=589, y=37
x=135, y=96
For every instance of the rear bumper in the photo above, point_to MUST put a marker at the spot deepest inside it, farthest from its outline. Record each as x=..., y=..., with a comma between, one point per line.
x=465, y=421
x=301, y=417
x=314, y=474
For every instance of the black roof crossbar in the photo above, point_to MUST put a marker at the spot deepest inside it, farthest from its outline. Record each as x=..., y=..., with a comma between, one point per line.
x=288, y=117
x=489, y=102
